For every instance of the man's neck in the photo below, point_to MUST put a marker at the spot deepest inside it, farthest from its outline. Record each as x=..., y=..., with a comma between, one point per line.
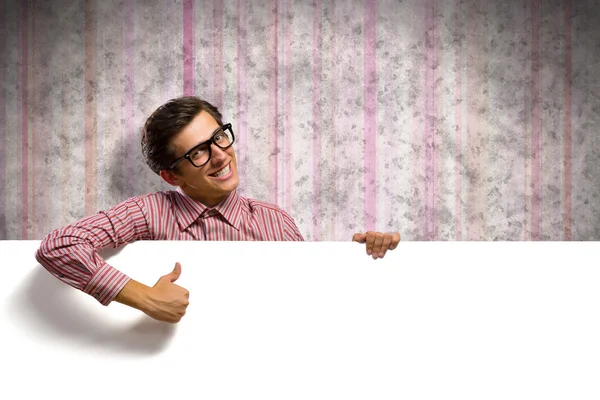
x=207, y=202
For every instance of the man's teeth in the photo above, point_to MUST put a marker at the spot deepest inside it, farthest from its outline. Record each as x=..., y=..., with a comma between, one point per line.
x=222, y=172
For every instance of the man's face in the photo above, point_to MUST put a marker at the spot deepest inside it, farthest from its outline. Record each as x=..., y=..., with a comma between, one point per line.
x=201, y=183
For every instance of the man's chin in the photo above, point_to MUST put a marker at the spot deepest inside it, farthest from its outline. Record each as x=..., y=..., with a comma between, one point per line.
x=228, y=186
x=232, y=187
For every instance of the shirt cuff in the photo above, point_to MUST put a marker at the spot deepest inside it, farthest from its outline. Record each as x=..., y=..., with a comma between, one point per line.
x=106, y=283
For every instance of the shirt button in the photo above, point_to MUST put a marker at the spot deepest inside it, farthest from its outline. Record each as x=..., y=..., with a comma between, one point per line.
x=96, y=295
x=212, y=212
x=61, y=276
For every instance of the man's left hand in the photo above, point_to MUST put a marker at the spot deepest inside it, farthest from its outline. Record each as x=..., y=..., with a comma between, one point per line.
x=378, y=243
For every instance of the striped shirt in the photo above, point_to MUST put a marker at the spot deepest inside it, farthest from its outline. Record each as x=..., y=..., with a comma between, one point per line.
x=71, y=253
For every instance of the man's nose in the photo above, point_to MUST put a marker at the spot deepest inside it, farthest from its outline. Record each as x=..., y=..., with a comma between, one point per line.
x=218, y=154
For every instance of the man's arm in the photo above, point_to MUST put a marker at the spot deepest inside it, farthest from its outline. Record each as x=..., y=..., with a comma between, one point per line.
x=71, y=252
x=71, y=255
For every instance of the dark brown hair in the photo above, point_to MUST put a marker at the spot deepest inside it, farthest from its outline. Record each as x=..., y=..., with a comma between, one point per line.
x=165, y=123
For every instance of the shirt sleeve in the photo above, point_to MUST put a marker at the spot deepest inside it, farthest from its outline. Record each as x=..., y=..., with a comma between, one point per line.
x=71, y=253
x=290, y=230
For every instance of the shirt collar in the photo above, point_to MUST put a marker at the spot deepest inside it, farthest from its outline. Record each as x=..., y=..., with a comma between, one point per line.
x=231, y=209
x=189, y=210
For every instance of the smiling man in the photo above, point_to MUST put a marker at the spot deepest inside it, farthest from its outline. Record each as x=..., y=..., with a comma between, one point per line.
x=185, y=142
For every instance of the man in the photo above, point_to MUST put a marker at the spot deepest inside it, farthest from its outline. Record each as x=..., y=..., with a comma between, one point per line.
x=186, y=143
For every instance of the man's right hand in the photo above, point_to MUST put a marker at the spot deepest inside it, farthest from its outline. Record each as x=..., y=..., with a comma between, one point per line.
x=167, y=300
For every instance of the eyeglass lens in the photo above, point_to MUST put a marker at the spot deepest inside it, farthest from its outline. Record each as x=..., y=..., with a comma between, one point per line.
x=201, y=155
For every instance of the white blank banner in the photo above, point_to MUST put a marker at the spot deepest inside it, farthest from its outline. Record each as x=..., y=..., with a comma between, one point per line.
x=289, y=320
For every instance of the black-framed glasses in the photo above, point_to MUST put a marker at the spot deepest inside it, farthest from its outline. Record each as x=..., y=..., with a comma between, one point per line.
x=200, y=154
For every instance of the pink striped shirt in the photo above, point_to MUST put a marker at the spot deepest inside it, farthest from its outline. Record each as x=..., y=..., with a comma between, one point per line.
x=71, y=253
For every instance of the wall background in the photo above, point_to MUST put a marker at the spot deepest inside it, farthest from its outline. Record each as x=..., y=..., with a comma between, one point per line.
x=443, y=120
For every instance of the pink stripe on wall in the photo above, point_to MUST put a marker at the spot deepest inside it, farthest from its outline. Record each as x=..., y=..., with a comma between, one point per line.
x=242, y=103
x=458, y=133
x=41, y=142
x=476, y=131
x=289, y=166
x=370, y=116
x=317, y=122
x=3, y=35
x=567, y=152
x=536, y=122
x=65, y=152
x=24, y=119
x=526, y=128
x=275, y=199
x=332, y=121
x=189, y=61
x=526, y=172
x=429, y=233
x=283, y=174
x=90, y=109
x=128, y=111
x=34, y=124
x=217, y=66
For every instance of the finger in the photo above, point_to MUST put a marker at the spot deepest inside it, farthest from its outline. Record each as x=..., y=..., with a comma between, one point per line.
x=395, y=241
x=370, y=239
x=175, y=316
x=359, y=237
x=377, y=244
x=176, y=273
x=387, y=241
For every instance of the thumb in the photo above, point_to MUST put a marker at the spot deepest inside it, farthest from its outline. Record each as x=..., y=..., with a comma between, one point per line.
x=359, y=237
x=175, y=274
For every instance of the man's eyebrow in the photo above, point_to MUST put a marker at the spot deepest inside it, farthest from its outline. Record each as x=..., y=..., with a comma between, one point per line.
x=211, y=135
x=216, y=130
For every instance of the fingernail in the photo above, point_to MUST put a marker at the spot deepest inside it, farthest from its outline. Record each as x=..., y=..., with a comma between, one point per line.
x=369, y=252
x=380, y=254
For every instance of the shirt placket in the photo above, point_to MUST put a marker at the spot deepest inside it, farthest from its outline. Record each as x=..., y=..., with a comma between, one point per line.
x=203, y=226
x=204, y=223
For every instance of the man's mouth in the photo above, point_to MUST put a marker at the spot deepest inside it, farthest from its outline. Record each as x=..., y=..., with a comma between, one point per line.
x=222, y=172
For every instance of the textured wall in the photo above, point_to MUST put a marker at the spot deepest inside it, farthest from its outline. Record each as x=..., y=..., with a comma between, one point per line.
x=444, y=120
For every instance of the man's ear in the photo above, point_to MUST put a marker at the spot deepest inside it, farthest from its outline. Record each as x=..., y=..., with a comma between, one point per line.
x=170, y=177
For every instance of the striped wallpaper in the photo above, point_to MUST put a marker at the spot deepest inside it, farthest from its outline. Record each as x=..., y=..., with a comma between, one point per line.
x=443, y=120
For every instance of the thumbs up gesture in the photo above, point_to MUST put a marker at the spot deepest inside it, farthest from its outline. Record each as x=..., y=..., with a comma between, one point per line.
x=168, y=301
